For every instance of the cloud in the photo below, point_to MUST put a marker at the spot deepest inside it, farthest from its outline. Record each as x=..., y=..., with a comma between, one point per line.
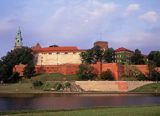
x=70, y=23
x=131, y=8
x=150, y=16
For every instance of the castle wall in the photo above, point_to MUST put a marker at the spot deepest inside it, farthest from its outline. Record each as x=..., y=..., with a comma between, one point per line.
x=110, y=86
x=58, y=58
x=67, y=69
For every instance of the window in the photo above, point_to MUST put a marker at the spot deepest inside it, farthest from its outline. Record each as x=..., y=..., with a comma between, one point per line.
x=50, y=53
x=66, y=53
x=57, y=52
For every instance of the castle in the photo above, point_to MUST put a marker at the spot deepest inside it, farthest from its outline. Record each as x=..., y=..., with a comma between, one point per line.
x=66, y=59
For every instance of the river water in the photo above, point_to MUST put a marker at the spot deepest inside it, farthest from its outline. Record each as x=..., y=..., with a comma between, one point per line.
x=73, y=101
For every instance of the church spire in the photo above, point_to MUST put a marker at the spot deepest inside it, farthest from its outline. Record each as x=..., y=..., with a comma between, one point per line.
x=18, y=41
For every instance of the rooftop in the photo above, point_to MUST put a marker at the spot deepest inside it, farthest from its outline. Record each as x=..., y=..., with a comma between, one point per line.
x=122, y=49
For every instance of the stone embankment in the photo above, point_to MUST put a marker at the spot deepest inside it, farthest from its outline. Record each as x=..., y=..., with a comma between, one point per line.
x=110, y=86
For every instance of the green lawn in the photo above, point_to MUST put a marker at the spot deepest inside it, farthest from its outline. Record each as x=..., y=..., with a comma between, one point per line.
x=130, y=111
x=150, y=88
x=18, y=88
x=54, y=77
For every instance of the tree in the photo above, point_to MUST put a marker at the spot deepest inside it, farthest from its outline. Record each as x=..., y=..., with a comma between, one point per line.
x=29, y=70
x=109, y=55
x=97, y=54
x=155, y=57
x=17, y=56
x=137, y=57
x=86, y=72
x=153, y=75
x=141, y=77
x=107, y=75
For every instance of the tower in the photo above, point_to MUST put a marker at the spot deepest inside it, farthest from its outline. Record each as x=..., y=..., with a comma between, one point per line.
x=102, y=44
x=18, y=42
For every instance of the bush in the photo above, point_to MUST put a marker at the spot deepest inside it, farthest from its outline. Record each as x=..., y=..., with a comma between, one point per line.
x=58, y=86
x=86, y=72
x=154, y=76
x=107, y=75
x=37, y=84
x=67, y=84
x=14, y=78
x=29, y=70
x=141, y=77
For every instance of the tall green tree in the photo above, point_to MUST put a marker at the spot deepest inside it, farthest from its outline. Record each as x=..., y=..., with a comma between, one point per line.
x=29, y=70
x=97, y=54
x=17, y=56
x=109, y=55
x=137, y=58
x=86, y=72
x=155, y=57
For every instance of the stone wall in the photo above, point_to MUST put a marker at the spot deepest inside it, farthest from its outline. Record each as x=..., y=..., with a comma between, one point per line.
x=110, y=86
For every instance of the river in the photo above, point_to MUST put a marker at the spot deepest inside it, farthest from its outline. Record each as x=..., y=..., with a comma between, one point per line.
x=73, y=101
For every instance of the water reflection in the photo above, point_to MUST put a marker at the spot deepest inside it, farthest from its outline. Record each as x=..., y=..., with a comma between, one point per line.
x=70, y=101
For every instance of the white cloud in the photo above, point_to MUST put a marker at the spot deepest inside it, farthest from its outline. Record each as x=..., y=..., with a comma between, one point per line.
x=150, y=16
x=77, y=21
x=103, y=9
x=131, y=8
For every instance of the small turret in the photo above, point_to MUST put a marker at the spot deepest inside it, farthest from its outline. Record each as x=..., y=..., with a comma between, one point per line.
x=18, y=42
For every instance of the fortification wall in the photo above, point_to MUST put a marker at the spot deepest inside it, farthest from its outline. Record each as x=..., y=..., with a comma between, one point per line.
x=110, y=86
x=68, y=69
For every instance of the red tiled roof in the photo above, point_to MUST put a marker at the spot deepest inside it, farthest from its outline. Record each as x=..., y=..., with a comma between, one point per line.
x=122, y=49
x=59, y=49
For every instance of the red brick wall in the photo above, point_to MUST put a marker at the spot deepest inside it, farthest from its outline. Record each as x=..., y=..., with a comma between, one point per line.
x=64, y=69
x=142, y=68
x=19, y=69
x=116, y=69
x=67, y=69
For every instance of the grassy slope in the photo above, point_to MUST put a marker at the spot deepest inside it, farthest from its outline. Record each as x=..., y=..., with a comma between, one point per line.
x=55, y=77
x=150, y=88
x=130, y=111
x=25, y=86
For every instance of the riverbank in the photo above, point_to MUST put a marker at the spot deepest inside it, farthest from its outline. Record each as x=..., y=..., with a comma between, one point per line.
x=107, y=111
x=27, y=87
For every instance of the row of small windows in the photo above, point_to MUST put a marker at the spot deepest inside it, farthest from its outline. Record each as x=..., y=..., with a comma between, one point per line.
x=58, y=53
x=118, y=56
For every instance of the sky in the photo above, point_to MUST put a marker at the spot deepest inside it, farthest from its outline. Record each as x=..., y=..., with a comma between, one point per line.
x=123, y=23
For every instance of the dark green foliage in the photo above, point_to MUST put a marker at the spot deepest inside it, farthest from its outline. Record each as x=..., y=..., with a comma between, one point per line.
x=86, y=72
x=58, y=86
x=137, y=58
x=141, y=77
x=37, y=84
x=155, y=57
x=154, y=76
x=17, y=56
x=107, y=75
x=97, y=54
x=13, y=78
x=3, y=72
x=109, y=55
x=67, y=84
x=29, y=70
